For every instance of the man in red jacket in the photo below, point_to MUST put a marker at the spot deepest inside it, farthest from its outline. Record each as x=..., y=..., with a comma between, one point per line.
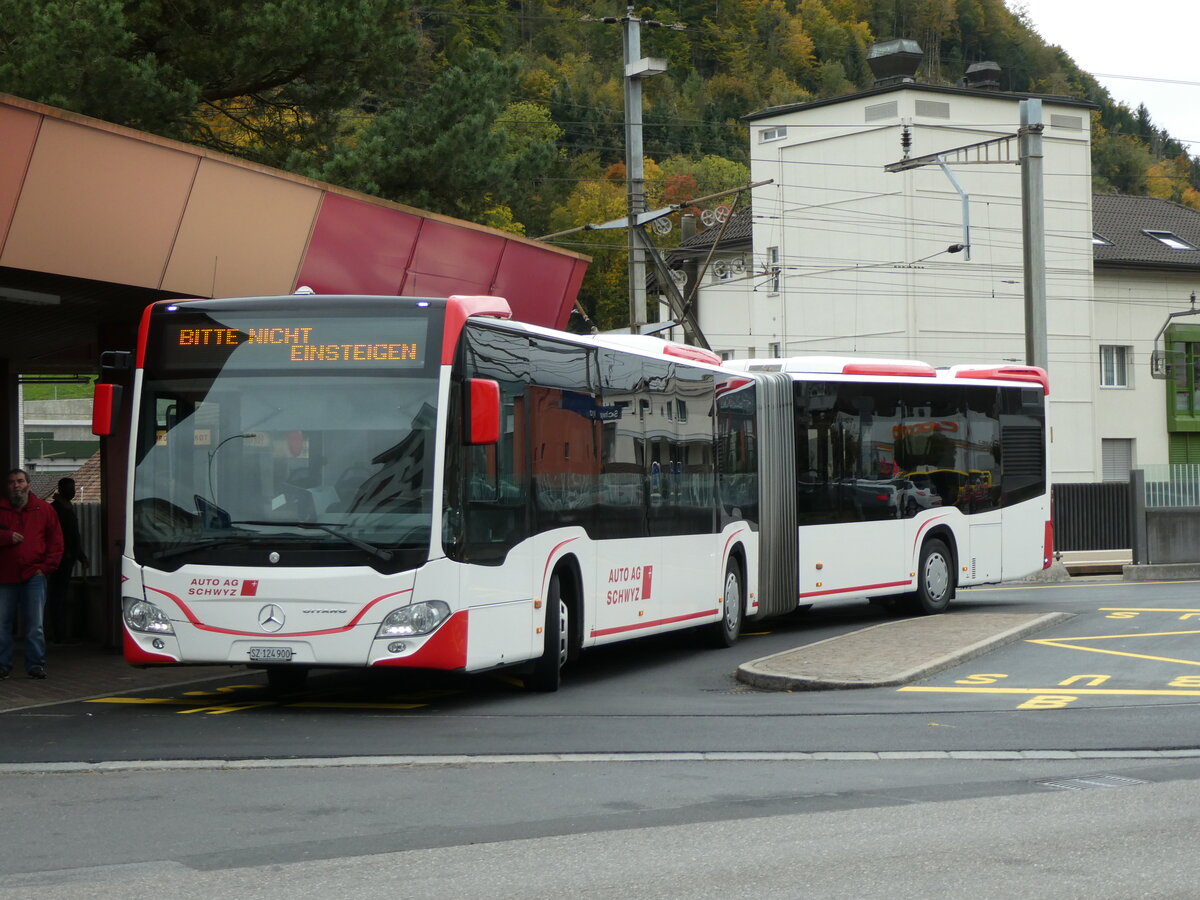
x=31, y=547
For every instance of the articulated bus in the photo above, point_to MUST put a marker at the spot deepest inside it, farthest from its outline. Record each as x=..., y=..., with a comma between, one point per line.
x=320, y=481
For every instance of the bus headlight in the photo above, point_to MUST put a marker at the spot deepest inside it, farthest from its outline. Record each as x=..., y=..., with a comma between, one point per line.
x=141, y=615
x=420, y=618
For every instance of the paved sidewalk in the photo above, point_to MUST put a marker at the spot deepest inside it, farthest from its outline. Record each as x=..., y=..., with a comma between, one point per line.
x=892, y=653
x=83, y=671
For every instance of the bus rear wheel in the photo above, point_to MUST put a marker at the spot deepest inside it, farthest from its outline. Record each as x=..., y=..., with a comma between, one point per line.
x=725, y=631
x=935, y=580
x=547, y=669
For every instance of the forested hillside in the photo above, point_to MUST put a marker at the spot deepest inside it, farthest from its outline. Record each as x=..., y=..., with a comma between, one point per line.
x=510, y=113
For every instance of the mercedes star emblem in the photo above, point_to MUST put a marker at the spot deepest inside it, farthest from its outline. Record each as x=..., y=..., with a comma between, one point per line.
x=270, y=617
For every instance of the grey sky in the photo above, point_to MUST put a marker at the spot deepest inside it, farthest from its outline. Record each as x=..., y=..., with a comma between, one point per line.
x=1111, y=38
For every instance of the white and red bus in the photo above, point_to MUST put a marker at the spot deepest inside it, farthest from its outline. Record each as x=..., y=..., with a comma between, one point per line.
x=907, y=481
x=320, y=481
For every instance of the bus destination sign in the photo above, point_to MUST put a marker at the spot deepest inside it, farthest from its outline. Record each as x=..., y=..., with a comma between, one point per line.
x=301, y=343
x=256, y=342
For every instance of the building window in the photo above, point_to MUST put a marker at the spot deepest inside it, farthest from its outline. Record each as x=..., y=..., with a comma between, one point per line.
x=773, y=268
x=726, y=354
x=1182, y=343
x=1170, y=239
x=1114, y=366
x=775, y=350
x=772, y=134
x=1116, y=458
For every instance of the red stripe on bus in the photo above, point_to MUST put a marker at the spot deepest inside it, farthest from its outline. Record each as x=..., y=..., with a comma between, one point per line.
x=136, y=656
x=860, y=587
x=446, y=648
x=550, y=558
x=925, y=525
x=144, y=330
x=891, y=370
x=640, y=625
x=730, y=541
x=459, y=308
x=192, y=618
x=1031, y=374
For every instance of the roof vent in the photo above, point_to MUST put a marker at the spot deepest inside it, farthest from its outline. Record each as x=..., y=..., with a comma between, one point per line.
x=983, y=76
x=894, y=62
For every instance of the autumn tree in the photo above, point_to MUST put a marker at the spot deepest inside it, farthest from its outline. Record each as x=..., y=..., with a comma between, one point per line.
x=265, y=80
x=458, y=147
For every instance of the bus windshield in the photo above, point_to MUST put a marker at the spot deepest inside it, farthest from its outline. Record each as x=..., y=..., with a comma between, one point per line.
x=251, y=462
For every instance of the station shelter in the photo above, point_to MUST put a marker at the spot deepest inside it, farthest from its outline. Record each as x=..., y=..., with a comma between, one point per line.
x=97, y=221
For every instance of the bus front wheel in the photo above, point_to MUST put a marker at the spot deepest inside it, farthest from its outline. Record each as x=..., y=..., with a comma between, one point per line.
x=724, y=633
x=935, y=579
x=547, y=669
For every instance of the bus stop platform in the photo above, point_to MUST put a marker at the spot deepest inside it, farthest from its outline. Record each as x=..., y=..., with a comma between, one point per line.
x=85, y=671
x=892, y=653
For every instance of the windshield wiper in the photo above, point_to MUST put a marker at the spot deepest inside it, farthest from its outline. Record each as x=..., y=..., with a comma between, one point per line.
x=385, y=555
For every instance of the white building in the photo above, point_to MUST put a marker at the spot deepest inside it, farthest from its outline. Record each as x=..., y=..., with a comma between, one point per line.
x=845, y=258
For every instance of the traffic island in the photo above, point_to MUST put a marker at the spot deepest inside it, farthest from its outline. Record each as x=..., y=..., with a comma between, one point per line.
x=893, y=653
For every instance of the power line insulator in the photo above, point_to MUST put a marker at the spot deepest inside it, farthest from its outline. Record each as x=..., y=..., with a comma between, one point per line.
x=905, y=140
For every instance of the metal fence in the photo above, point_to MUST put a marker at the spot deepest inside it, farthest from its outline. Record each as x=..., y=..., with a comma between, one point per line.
x=1172, y=486
x=1091, y=516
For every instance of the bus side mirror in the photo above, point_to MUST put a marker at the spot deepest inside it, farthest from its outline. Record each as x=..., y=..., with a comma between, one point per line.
x=106, y=406
x=482, y=411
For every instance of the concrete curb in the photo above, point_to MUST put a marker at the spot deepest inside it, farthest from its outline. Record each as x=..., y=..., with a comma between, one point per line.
x=893, y=653
x=1161, y=572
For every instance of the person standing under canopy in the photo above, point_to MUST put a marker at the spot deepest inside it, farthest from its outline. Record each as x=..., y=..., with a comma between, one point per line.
x=31, y=548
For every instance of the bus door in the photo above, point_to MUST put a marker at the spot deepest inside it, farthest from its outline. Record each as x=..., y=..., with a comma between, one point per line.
x=630, y=493
x=682, y=514
x=495, y=585
x=851, y=537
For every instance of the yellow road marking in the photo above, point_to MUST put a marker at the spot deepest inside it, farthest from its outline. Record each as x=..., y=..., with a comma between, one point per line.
x=1169, y=659
x=200, y=706
x=1145, y=609
x=1109, y=637
x=1112, y=692
x=503, y=679
x=1062, y=644
x=228, y=707
x=163, y=701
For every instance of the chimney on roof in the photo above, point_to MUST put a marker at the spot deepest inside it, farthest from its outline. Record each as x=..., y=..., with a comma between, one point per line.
x=687, y=226
x=895, y=61
x=983, y=76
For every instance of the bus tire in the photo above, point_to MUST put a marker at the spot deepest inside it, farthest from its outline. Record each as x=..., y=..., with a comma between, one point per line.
x=935, y=579
x=286, y=679
x=725, y=631
x=547, y=668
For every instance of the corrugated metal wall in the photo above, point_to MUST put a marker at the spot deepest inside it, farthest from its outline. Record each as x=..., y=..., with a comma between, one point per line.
x=1091, y=516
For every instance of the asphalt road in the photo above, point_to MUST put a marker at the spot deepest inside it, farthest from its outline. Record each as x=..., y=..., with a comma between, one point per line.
x=1059, y=766
x=1122, y=673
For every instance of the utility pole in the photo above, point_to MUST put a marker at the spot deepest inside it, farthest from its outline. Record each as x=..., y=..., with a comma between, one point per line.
x=1033, y=231
x=636, y=68
x=1028, y=141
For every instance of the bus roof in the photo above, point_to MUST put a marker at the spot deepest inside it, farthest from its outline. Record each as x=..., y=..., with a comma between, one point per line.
x=849, y=367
